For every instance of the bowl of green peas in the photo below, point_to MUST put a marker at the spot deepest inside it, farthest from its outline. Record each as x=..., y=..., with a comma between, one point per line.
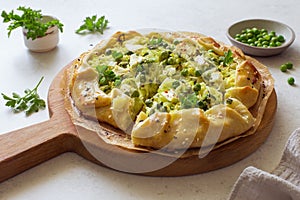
x=261, y=37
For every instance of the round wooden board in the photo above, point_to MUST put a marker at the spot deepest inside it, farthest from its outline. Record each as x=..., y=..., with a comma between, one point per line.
x=27, y=147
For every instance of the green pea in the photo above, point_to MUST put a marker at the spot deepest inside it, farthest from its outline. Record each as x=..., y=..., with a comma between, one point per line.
x=272, y=44
x=252, y=40
x=184, y=72
x=289, y=65
x=198, y=73
x=265, y=43
x=283, y=68
x=261, y=39
x=249, y=35
x=255, y=30
x=267, y=37
x=263, y=30
x=281, y=38
x=238, y=39
x=272, y=33
x=197, y=87
x=243, y=37
x=291, y=81
x=274, y=39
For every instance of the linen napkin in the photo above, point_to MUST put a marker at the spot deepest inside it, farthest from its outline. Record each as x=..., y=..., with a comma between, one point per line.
x=281, y=184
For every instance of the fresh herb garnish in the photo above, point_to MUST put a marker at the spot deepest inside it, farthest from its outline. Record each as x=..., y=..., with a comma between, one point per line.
x=31, y=20
x=228, y=58
x=106, y=75
x=155, y=41
x=117, y=55
x=93, y=25
x=29, y=103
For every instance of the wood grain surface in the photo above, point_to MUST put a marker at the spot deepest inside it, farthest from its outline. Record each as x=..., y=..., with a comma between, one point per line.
x=27, y=147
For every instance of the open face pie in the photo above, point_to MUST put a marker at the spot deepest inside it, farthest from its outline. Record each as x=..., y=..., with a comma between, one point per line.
x=167, y=90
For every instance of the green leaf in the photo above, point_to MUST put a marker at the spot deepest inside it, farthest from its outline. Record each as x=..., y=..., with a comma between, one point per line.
x=117, y=55
x=5, y=97
x=15, y=95
x=228, y=59
x=11, y=103
x=29, y=103
x=101, y=69
x=110, y=75
x=92, y=25
x=89, y=24
x=155, y=41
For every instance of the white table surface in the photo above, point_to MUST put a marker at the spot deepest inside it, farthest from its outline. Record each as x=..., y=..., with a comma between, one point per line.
x=71, y=177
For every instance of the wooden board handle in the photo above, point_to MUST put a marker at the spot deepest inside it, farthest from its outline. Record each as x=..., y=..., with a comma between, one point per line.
x=24, y=148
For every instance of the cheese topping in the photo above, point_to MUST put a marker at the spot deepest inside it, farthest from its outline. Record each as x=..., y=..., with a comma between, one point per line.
x=165, y=75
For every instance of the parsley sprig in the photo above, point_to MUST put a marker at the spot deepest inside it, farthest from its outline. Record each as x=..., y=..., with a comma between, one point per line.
x=106, y=75
x=29, y=103
x=31, y=20
x=228, y=58
x=92, y=24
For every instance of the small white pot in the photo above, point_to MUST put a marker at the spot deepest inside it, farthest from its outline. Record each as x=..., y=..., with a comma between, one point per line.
x=45, y=43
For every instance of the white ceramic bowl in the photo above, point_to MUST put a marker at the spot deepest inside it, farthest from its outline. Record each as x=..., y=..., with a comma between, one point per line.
x=45, y=43
x=270, y=25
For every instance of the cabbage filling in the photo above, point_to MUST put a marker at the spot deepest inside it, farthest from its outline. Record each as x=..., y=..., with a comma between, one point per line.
x=165, y=76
